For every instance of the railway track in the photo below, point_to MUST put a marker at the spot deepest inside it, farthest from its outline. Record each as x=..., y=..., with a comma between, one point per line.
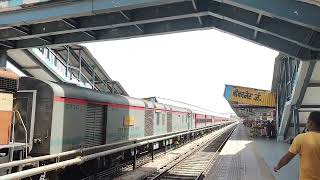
x=194, y=164
x=127, y=167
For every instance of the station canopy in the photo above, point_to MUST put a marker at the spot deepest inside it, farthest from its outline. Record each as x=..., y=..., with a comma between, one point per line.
x=315, y=2
x=250, y=103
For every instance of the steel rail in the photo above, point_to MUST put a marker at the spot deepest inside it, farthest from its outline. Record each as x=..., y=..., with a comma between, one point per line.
x=215, y=155
x=201, y=146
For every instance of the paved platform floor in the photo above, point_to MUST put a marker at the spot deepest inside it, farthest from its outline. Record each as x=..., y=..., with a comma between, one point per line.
x=245, y=158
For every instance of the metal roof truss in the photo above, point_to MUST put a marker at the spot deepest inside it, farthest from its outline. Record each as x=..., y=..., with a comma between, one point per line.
x=288, y=26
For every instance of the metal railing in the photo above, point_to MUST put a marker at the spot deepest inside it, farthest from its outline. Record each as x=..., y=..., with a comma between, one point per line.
x=87, y=154
x=63, y=67
x=17, y=115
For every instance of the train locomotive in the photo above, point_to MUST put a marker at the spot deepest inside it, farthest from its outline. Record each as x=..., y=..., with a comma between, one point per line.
x=58, y=117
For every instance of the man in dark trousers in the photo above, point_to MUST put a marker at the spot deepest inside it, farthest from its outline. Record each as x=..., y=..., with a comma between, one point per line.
x=307, y=145
x=269, y=129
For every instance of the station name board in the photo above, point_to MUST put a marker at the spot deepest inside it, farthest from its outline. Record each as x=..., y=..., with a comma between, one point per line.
x=248, y=96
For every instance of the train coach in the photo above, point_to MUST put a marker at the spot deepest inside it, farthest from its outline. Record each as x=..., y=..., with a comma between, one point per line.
x=68, y=117
x=58, y=117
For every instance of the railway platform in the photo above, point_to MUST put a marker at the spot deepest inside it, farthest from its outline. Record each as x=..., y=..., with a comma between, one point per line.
x=248, y=158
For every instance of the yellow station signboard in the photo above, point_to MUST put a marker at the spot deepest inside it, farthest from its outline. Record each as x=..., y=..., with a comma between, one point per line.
x=252, y=97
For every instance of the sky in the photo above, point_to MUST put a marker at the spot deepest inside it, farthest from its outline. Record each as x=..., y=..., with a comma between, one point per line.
x=191, y=67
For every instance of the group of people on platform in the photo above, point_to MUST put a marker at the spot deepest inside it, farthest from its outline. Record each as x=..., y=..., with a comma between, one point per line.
x=306, y=145
x=261, y=128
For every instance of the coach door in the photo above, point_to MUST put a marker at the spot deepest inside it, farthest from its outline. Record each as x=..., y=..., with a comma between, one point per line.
x=149, y=122
x=24, y=107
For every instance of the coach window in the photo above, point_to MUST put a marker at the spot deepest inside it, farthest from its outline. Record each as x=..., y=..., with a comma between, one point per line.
x=163, y=118
x=158, y=118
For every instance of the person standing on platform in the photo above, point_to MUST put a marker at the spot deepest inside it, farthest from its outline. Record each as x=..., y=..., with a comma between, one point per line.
x=307, y=145
x=269, y=129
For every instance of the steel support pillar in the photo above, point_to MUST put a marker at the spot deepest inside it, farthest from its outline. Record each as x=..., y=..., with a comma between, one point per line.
x=93, y=78
x=151, y=150
x=135, y=158
x=68, y=62
x=3, y=58
x=79, y=75
x=277, y=110
x=296, y=122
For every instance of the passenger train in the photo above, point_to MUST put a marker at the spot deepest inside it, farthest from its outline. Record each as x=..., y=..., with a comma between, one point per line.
x=59, y=117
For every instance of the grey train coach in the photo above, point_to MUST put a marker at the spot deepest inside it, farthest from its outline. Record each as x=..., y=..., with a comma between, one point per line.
x=58, y=117
x=67, y=117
